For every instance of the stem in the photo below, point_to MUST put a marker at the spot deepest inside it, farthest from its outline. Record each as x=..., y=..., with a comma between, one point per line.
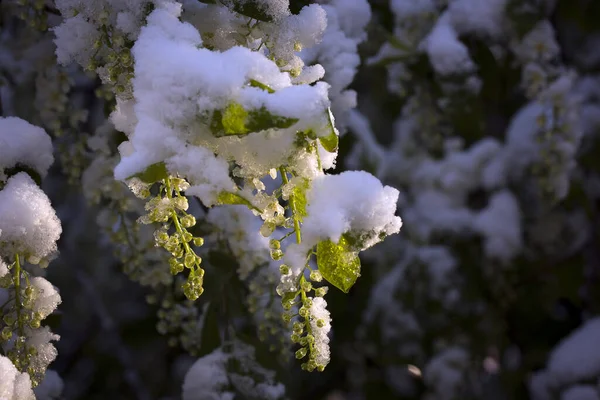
x=307, y=320
x=17, y=282
x=286, y=236
x=303, y=295
x=178, y=227
x=285, y=180
x=318, y=157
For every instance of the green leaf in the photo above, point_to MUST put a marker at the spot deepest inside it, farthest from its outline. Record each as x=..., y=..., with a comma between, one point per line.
x=299, y=195
x=262, y=119
x=338, y=264
x=331, y=141
x=236, y=121
x=232, y=198
x=260, y=85
x=154, y=173
x=288, y=297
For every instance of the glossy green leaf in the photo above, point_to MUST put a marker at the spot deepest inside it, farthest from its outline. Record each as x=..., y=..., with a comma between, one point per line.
x=331, y=141
x=261, y=119
x=232, y=198
x=237, y=121
x=288, y=297
x=154, y=173
x=299, y=195
x=234, y=120
x=338, y=264
x=260, y=85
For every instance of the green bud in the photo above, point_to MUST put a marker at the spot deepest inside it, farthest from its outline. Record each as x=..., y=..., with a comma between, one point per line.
x=306, y=286
x=34, y=323
x=178, y=253
x=125, y=57
x=267, y=229
x=9, y=319
x=310, y=339
x=187, y=237
x=301, y=353
x=307, y=303
x=6, y=333
x=284, y=269
x=189, y=260
x=320, y=323
x=298, y=327
x=198, y=241
x=161, y=236
x=303, y=312
x=188, y=220
x=276, y=254
x=316, y=276
x=175, y=269
x=295, y=338
x=275, y=244
x=182, y=204
x=322, y=291
x=173, y=241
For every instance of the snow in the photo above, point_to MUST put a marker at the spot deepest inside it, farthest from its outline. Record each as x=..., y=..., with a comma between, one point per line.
x=13, y=384
x=353, y=201
x=28, y=223
x=26, y=144
x=500, y=224
x=446, y=53
x=47, y=297
x=177, y=83
x=318, y=311
x=577, y=357
x=485, y=18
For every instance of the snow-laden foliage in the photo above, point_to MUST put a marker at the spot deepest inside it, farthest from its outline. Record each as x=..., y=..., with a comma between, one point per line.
x=29, y=230
x=244, y=163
